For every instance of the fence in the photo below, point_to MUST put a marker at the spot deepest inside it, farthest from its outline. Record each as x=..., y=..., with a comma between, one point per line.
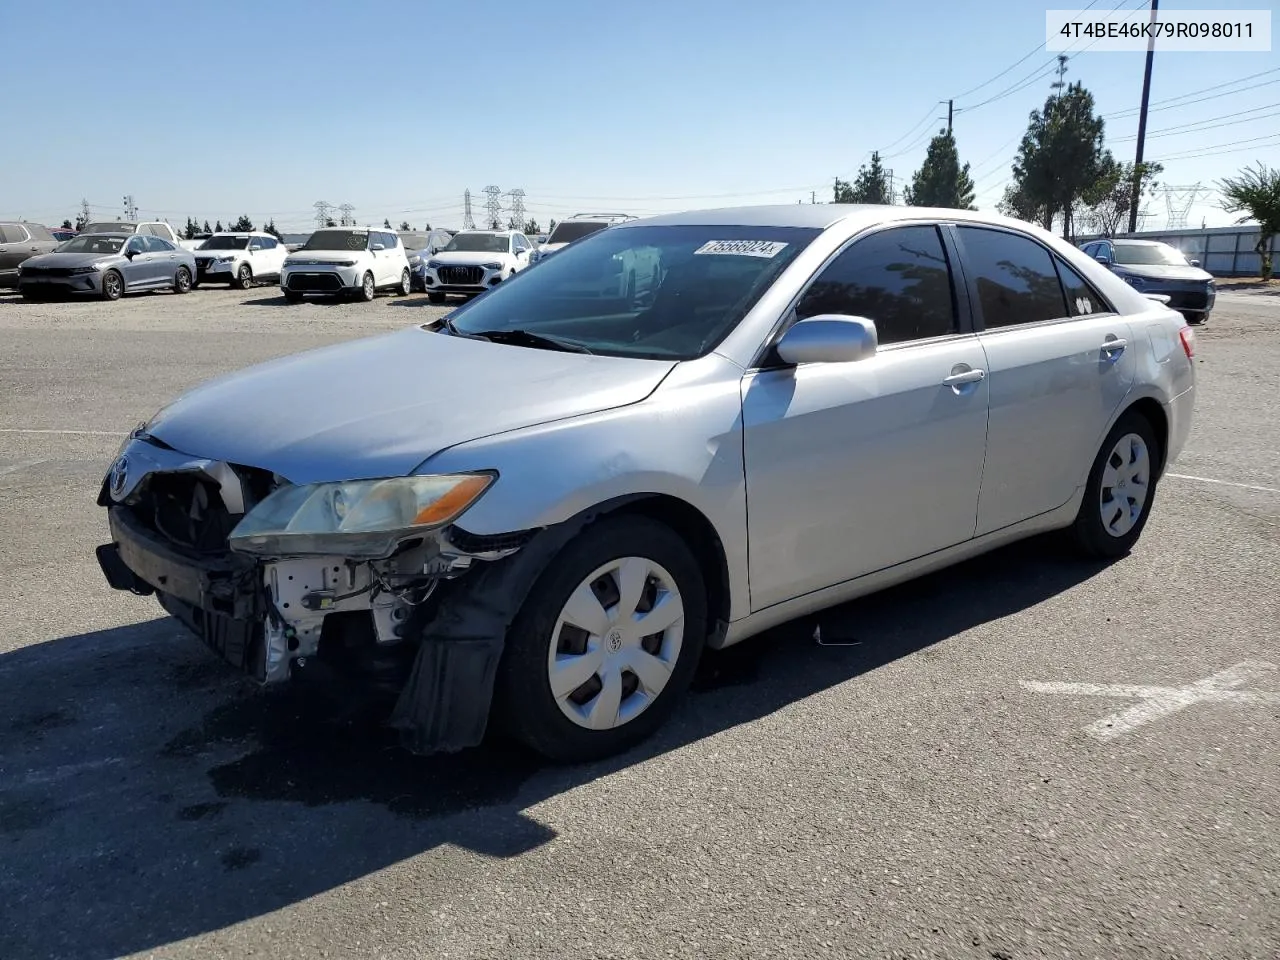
x=1223, y=251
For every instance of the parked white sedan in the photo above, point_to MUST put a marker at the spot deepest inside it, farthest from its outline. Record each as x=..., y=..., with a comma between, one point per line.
x=474, y=261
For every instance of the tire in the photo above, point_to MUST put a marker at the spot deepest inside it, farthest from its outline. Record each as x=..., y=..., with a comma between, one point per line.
x=406, y=283
x=434, y=297
x=112, y=285
x=182, y=281
x=1101, y=528
x=525, y=704
x=244, y=278
x=292, y=297
x=367, y=289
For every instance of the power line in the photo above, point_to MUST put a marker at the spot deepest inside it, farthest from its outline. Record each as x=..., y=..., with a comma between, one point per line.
x=1200, y=125
x=1196, y=154
x=927, y=117
x=1167, y=105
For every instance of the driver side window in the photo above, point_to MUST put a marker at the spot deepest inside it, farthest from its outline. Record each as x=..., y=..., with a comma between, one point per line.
x=898, y=278
x=135, y=245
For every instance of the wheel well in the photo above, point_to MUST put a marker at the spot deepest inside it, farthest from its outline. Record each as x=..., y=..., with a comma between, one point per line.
x=696, y=530
x=1154, y=414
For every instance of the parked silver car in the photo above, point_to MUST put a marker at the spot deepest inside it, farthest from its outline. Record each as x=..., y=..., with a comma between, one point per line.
x=20, y=242
x=109, y=265
x=543, y=507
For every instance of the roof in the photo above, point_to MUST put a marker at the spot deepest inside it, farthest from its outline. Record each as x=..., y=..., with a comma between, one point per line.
x=498, y=233
x=236, y=233
x=1137, y=243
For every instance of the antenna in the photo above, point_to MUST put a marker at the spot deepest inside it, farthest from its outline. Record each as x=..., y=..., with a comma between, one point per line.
x=468, y=222
x=493, y=207
x=1061, y=69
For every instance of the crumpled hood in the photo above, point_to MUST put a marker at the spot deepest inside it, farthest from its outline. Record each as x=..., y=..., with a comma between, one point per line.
x=468, y=258
x=1155, y=271
x=68, y=260
x=380, y=406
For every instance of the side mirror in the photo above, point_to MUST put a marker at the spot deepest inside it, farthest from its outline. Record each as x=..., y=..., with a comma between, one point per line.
x=1103, y=259
x=828, y=338
x=131, y=252
x=377, y=246
x=1195, y=263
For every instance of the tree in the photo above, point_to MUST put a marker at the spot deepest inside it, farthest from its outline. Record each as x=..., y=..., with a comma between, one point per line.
x=843, y=192
x=1256, y=194
x=271, y=229
x=531, y=227
x=243, y=225
x=330, y=223
x=1108, y=201
x=871, y=184
x=941, y=181
x=217, y=227
x=404, y=227
x=80, y=222
x=495, y=224
x=1061, y=159
x=551, y=227
x=66, y=225
x=513, y=224
x=386, y=224
x=207, y=228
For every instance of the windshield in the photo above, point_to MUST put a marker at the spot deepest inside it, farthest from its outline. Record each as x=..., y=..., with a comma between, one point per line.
x=478, y=243
x=87, y=243
x=225, y=243
x=666, y=293
x=337, y=240
x=115, y=226
x=576, y=230
x=1155, y=254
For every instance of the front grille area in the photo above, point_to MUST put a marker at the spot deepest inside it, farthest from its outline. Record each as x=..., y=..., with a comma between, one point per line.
x=461, y=275
x=40, y=273
x=1189, y=299
x=315, y=282
x=187, y=510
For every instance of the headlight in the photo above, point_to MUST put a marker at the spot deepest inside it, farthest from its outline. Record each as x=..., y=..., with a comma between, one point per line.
x=226, y=259
x=359, y=518
x=434, y=264
x=1135, y=281
x=80, y=271
x=415, y=261
x=492, y=266
x=344, y=263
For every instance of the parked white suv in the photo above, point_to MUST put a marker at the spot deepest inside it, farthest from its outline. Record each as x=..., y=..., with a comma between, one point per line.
x=240, y=259
x=474, y=261
x=575, y=228
x=346, y=260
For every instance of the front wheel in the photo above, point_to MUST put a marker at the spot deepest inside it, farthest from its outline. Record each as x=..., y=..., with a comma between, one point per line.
x=434, y=297
x=182, y=281
x=1120, y=491
x=291, y=297
x=112, y=285
x=606, y=643
x=367, y=289
x=406, y=283
x=244, y=277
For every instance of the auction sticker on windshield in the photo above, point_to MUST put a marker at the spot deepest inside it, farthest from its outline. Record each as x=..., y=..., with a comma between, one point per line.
x=743, y=248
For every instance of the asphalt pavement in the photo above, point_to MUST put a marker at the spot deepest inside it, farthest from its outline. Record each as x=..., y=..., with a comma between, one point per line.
x=1024, y=756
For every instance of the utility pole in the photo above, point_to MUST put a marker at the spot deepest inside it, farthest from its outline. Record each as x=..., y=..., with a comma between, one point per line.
x=813, y=196
x=950, y=104
x=1142, y=123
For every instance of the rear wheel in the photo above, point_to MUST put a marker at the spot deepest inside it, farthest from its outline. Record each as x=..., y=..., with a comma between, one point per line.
x=606, y=643
x=182, y=281
x=1120, y=491
x=367, y=290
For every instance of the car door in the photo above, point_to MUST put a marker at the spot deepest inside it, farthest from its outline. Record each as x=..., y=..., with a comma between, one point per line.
x=1059, y=365
x=14, y=246
x=854, y=467
x=136, y=268
x=381, y=258
x=164, y=260
x=273, y=254
x=520, y=250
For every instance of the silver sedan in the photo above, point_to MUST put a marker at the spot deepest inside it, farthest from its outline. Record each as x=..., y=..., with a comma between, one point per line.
x=674, y=434
x=109, y=265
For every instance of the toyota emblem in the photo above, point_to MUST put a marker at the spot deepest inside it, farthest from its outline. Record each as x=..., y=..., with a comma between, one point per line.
x=119, y=474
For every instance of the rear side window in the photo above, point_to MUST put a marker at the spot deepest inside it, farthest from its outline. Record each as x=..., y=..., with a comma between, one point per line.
x=39, y=232
x=898, y=278
x=11, y=233
x=1015, y=277
x=1082, y=299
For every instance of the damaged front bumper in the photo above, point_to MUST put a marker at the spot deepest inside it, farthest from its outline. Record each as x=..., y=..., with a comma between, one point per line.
x=427, y=607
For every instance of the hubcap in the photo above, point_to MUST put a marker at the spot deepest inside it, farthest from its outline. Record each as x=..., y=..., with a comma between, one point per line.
x=368, y=287
x=113, y=285
x=1125, y=483
x=615, y=643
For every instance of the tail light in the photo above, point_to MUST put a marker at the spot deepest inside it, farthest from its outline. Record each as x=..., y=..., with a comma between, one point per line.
x=1188, y=338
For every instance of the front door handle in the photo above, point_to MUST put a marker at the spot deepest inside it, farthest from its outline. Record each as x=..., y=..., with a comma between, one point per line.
x=965, y=376
x=1114, y=346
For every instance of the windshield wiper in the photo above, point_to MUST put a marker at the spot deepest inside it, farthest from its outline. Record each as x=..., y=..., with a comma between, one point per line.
x=527, y=338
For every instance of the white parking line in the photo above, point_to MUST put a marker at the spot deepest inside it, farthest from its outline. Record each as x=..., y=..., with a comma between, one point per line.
x=67, y=433
x=1160, y=702
x=1225, y=483
x=15, y=467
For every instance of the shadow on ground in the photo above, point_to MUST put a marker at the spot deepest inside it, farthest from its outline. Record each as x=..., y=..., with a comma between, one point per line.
x=148, y=795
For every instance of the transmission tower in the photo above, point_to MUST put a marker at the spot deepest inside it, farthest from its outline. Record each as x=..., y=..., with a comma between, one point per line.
x=1061, y=70
x=1179, y=201
x=1144, y=216
x=348, y=215
x=468, y=223
x=493, y=207
x=517, y=208
x=84, y=212
x=130, y=208
x=323, y=208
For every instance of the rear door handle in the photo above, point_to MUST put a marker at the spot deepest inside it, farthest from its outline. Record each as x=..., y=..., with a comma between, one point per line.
x=967, y=376
x=1114, y=346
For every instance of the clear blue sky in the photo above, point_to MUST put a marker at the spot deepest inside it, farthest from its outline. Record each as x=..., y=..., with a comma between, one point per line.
x=219, y=108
